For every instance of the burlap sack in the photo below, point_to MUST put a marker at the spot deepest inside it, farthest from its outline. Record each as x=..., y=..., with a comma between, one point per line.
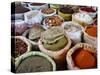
x=58, y=56
x=70, y=62
x=83, y=23
x=26, y=41
x=32, y=17
x=75, y=34
x=89, y=39
x=36, y=53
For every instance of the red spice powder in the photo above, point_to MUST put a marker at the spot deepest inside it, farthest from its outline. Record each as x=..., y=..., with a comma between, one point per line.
x=87, y=9
x=92, y=31
x=84, y=59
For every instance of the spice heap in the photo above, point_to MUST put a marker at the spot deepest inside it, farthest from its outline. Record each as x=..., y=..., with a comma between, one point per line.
x=74, y=31
x=66, y=13
x=20, y=46
x=53, y=21
x=37, y=4
x=88, y=9
x=40, y=64
x=72, y=28
x=84, y=59
x=47, y=11
x=82, y=18
x=21, y=9
x=35, y=32
x=66, y=10
x=54, y=39
x=92, y=31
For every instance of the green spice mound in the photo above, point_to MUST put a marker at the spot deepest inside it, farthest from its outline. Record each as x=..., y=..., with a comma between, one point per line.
x=54, y=39
x=35, y=33
x=34, y=64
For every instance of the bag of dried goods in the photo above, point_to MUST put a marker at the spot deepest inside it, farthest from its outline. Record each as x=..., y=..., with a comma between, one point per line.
x=33, y=35
x=20, y=46
x=18, y=27
x=66, y=13
x=51, y=21
x=18, y=11
x=82, y=18
x=41, y=63
x=47, y=12
x=90, y=35
x=74, y=30
x=38, y=6
x=92, y=11
x=55, y=43
x=33, y=17
x=82, y=56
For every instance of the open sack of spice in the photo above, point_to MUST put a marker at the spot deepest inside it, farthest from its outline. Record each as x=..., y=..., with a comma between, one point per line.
x=51, y=21
x=37, y=6
x=82, y=56
x=18, y=27
x=33, y=34
x=55, y=43
x=35, y=61
x=18, y=23
x=20, y=46
x=33, y=17
x=90, y=35
x=18, y=10
x=74, y=31
x=82, y=18
x=92, y=11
